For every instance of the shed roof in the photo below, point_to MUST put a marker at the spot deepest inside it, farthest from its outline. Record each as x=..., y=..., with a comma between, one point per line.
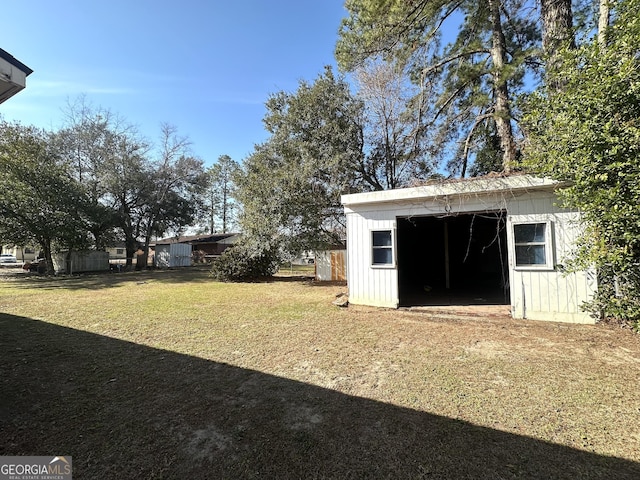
x=453, y=188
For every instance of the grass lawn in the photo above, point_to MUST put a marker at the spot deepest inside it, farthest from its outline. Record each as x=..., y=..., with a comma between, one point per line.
x=171, y=375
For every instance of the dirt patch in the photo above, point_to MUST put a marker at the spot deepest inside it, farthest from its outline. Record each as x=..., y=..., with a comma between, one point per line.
x=484, y=311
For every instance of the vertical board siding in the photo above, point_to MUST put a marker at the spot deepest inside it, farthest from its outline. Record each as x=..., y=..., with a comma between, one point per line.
x=331, y=265
x=180, y=255
x=172, y=255
x=549, y=294
x=368, y=285
x=322, y=266
x=338, y=267
x=82, y=261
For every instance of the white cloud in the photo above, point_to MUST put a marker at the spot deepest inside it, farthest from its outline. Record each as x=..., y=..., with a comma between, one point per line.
x=64, y=88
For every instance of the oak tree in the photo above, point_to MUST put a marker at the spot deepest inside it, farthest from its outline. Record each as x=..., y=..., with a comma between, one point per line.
x=40, y=202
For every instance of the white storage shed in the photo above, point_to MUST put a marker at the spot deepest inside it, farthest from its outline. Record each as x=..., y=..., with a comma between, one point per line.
x=331, y=265
x=488, y=240
x=170, y=255
x=81, y=261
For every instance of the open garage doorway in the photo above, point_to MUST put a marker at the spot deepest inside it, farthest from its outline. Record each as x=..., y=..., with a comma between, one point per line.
x=453, y=260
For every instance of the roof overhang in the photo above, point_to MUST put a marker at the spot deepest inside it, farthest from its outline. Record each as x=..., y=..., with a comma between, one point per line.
x=454, y=188
x=216, y=238
x=13, y=75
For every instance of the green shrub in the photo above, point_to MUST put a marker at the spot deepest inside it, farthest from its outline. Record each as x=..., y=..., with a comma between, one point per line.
x=617, y=296
x=243, y=262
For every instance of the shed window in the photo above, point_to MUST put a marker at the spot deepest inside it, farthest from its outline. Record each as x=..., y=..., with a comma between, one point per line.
x=119, y=251
x=382, y=247
x=532, y=245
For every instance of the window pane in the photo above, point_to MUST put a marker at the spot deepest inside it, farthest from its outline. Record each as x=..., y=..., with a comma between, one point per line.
x=530, y=255
x=382, y=238
x=529, y=232
x=382, y=256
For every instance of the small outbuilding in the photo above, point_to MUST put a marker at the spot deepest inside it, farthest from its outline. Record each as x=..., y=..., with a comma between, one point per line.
x=171, y=255
x=331, y=264
x=489, y=240
x=201, y=247
x=81, y=261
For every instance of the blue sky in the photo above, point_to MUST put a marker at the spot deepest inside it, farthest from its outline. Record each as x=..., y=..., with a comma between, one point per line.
x=206, y=67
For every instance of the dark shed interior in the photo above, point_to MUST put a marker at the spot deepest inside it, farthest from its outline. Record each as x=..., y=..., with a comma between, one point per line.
x=453, y=260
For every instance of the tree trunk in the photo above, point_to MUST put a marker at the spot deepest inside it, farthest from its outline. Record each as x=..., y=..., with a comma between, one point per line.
x=130, y=249
x=557, y=33
x=603, y=23
x=224, y=208
x=68, y=267
x=143, y=260
x=130, y=244
x=502, y=109
x=45, y=244
x=557, y=25
x=212, y=214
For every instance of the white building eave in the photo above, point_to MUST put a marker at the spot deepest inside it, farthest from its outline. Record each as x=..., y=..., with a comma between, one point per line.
x=13, y=75
x=471, y=186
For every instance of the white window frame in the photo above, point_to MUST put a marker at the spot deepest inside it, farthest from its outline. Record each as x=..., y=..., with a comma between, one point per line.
x=391, y=247
x=548, y=246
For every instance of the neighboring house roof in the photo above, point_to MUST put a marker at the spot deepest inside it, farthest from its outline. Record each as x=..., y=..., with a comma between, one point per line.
x=13, y=75
x=195, y=239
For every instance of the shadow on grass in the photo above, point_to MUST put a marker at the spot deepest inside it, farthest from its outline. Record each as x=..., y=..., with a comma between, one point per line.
x=124, y=410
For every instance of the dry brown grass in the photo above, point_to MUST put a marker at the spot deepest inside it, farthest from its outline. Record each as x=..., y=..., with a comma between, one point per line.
x=171, y=375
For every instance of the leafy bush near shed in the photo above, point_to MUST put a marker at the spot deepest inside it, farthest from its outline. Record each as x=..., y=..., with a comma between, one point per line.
x=244, y=262
x=588, y=133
